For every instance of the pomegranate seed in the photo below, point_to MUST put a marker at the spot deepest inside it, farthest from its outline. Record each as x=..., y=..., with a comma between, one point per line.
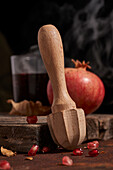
x=33, y=150
x=93, y=152
x=97, y=143
x=4, y=165
x=45, y=149
x=93, y=145
x=67, y=161
x=32, y=119
x=78, y=152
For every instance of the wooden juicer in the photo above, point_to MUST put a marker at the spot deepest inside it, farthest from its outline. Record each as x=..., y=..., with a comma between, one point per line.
x=66, y=122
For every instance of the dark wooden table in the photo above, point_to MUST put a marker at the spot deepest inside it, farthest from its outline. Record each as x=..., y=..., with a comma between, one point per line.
x=53, y=161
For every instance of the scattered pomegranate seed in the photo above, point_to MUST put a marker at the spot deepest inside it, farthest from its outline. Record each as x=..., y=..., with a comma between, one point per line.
x=66, y=160
x=33, y=150
x=32, y=119
x=45, y=149
x=97, y=143
x=78, y=152
x=93, y=145
x=4, y=165
x=93, y=152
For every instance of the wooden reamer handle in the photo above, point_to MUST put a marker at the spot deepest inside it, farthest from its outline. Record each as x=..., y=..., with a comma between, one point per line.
x=51, y=49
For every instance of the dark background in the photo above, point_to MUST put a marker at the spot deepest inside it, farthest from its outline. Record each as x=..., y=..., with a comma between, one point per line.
x=86, y=28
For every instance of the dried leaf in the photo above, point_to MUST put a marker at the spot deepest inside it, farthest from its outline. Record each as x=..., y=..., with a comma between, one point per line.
x=28, y=108
x=7, y=152
x=29, y=158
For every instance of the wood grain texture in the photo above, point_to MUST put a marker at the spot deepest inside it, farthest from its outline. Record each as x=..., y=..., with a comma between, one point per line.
x=53, y=161
x=99, y=126
x=66, y=123
x=18, y=135
x=51, y=49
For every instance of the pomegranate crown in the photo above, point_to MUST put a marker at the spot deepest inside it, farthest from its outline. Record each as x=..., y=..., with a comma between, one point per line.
x=82, y=64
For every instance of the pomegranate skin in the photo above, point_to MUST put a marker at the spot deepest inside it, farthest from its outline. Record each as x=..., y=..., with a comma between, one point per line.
x=84, y=87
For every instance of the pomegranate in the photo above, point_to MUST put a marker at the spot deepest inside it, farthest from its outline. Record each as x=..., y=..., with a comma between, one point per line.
x=93, y=153
x=78, y=152
x=4, y=165
x=45, y=149
x=92, y=145
x=66, y=160
x=31, y=119
x=33, y=150
x=84, y=87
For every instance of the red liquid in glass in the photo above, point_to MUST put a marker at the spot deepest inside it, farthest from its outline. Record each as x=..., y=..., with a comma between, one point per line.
x=30, y=87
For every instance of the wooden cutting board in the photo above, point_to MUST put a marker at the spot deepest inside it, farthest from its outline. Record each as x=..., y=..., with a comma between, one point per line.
x=16, y=134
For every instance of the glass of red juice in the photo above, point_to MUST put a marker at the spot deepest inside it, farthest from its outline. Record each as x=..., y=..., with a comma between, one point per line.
x=29, y=78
